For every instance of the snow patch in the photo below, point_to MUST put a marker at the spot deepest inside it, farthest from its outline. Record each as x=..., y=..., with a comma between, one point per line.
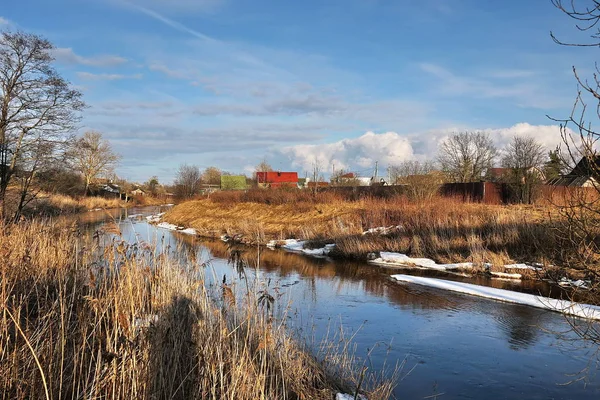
x=581, y=284
x=398, y=259
x=189, y=231
x=323, y=251
x=522, y=266
x=297, y=246
x=181, y=229
x=562, y=306
x=344, y=396
x=166, y=225
x=505, y=275
x=382, y=230
x=153, y=219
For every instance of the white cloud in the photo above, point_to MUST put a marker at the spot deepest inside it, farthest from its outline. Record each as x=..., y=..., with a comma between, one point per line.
x=88, y=76
x=358, y=153
x=68, y=56
x=390, y=148
x=547, y=135
x=4, y=22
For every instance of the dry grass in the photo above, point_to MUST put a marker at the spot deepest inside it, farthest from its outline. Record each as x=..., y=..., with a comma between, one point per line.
x=55, y=204
x=92, y=320
x=442, y=229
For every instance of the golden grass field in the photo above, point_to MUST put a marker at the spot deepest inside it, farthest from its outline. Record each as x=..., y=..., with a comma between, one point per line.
x=443, y=229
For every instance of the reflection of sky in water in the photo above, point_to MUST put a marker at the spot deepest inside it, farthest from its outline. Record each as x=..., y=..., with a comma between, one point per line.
x=462, y=346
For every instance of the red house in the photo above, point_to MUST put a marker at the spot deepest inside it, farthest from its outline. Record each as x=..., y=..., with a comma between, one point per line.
x=277, y=179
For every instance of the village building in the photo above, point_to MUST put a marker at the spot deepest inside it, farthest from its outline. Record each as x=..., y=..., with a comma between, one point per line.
x=275, y=179
x=233, y=182
x=585, y=174
x=138, y=192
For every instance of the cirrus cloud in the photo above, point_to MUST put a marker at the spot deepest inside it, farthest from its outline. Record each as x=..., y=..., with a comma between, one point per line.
x=66, y=55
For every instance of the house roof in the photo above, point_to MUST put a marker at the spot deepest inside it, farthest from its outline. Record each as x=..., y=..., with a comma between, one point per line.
x=589, y=166
x=317, y=184
x=111, y=188
x=349, y=175
x=570, y=180
x=498, y=172
x=587, y=170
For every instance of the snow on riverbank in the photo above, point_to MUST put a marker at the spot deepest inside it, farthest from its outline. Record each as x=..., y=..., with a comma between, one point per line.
x=155, y=219
x=180, y=229
x=562, y=306
x=382, y=230
x=344, y=396
x=402, y=260
x=398, y=259
x=297, y=246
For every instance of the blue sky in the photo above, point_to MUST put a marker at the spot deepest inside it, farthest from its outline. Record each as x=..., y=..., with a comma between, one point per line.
x=230, y=82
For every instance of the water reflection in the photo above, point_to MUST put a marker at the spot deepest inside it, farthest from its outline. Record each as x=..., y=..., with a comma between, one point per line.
x=464, y=346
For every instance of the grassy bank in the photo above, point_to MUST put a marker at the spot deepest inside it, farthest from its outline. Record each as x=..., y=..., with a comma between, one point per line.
x=49, y=204
x=442, y=229
x=97, y=319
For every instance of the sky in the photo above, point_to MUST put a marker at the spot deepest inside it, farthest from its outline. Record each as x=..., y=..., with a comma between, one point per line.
x=340, y=83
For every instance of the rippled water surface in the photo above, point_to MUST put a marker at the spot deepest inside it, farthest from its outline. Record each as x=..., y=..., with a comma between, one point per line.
x=455, y=346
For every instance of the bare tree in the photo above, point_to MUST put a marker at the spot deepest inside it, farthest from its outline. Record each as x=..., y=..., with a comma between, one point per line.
x=38, y=108
x=212, y=176
x=524, y=157
x=263, y=166
x=152, y=185
x=188, y=180
x=317, y=177
x=93, y=157
x=420, y=179
x=578, y=228
x=466, y=156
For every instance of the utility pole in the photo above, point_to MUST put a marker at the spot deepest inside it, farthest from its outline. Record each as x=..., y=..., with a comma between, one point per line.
x=332, y=173
x=375, y=176
x=389, y=181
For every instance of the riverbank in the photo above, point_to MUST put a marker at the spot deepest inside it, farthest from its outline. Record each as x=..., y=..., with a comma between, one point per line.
x=502, y=241
x=99, y=317
x=50, y=204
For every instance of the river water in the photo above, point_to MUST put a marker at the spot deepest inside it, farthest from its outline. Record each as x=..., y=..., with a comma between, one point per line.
x=453, y=346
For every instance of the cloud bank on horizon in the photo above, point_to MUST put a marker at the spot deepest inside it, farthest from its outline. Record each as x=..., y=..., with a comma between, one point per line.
x=391, y=148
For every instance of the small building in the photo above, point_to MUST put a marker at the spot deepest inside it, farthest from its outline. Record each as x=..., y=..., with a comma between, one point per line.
x=138, y=192
x=348, y=179
x=233, y=182
x=497, y=174
x=312, y=185
x=508, y=174
x=110, y=190
x=274, y=179
x=371, y=181
x=585, y=174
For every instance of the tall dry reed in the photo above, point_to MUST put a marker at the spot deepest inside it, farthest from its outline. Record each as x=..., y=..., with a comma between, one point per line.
x=97, y=318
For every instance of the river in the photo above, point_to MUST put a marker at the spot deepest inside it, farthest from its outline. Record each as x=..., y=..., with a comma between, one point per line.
x=453, y=346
